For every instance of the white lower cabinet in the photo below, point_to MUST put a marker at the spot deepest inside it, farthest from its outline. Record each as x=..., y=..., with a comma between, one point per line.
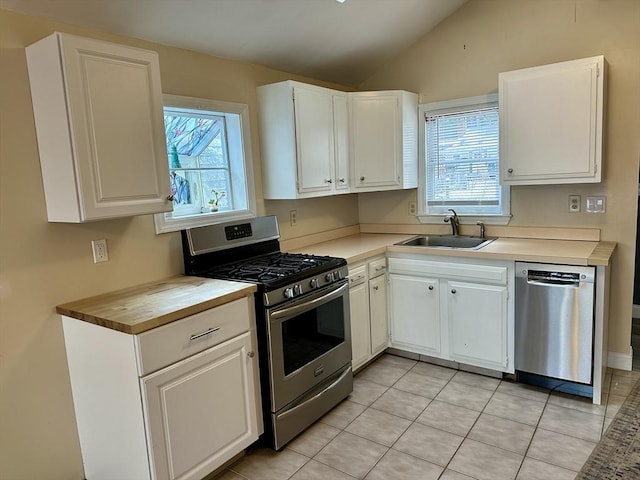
x=453, y=308
x=174, y=402
x=368, y=310
x=415, y=310
x=201, y=412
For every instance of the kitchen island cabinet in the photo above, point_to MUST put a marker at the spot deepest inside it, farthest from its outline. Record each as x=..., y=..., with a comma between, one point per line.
x=172, y=402
x=100, y=128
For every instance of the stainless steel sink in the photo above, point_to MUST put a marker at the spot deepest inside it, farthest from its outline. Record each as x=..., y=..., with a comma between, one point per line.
x=448, y=241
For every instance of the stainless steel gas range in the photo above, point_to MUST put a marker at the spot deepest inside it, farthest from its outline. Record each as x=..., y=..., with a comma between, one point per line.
x=302, y=317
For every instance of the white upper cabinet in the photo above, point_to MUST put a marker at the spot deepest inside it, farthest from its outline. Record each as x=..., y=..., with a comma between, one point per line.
x=383, y=140
x=99, y=123
x=303, y=134
x=551, y=123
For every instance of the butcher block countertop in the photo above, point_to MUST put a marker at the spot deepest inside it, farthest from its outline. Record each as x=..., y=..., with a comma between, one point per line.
x=143, y=307
x=355, y=248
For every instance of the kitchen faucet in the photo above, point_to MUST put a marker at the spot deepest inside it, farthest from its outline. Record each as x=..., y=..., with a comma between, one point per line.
x=454, y=220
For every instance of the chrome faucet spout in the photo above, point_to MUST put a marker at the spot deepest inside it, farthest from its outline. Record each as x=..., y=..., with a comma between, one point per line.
x=454, y=221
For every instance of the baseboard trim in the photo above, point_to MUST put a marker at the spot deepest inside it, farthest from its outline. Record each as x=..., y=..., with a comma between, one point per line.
x=636, y=311
x=621, y=361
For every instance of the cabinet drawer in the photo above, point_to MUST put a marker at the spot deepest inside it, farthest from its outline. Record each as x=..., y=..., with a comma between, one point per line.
x=170, y=343
x=357, y=275
x=377, y=267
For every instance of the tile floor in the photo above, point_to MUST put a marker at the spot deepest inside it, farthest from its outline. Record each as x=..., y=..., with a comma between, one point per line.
x=410, y=420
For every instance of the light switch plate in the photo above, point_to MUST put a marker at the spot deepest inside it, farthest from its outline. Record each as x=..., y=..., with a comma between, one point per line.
x=596, y=204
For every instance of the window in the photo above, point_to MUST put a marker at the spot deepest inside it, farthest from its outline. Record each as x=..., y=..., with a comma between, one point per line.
x=209, y=163
x=461, y=164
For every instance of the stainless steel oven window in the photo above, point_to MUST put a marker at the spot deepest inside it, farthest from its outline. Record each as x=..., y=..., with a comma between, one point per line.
x=308, y=341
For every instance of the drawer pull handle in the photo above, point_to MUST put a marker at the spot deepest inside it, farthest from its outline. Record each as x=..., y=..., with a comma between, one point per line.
x=382, y=267
x=203, y=334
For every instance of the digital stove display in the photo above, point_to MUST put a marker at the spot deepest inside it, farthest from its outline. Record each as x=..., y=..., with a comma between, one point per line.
x=234, y=232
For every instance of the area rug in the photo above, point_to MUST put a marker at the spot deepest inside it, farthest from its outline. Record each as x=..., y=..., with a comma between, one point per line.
x=617, y=455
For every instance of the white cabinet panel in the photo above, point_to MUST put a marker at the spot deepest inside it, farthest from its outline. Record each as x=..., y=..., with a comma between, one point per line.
x=369, y=316
x=304, y=140
x=100, y=128
x=378, y=311
x=415, y=314
x=551, y=123
x=201, y=411
x=477, y=319
x=383, y=140
x=360, y=323
x=452, y=308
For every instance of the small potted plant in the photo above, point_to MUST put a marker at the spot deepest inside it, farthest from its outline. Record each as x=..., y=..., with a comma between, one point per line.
x=214, y=202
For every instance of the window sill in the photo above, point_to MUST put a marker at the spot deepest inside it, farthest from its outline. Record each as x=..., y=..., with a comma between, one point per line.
x=165, y=223
x=468, y=219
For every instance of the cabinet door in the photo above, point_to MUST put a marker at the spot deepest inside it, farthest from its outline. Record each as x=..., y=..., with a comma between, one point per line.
x=551, y=123
x=414, y=314
x=104, y=155
x=477, y=323
x=314, y=138
x=375, y=140
x=341, y=142
x=378, y=314
x=202, y=411
x=360, y=324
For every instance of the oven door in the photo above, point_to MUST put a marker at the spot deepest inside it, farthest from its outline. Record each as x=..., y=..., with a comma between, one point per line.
x=309, y=340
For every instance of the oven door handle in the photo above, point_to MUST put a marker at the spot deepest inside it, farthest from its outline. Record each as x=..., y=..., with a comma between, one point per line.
x=288, y=413
x=303, y=307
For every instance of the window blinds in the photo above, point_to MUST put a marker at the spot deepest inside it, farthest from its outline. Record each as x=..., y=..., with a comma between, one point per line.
x=462, y=167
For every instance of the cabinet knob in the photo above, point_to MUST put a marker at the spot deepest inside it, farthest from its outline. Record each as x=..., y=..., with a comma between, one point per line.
x=362, y=179
x=342, y=180
x=430, y=287
x=251, y=354
x=453, y=290
x=328, y=180
x=510, y=170
x=170, y=198
x=375, y=287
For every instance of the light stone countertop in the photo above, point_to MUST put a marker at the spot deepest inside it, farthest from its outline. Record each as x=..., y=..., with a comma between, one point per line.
x=355, y=248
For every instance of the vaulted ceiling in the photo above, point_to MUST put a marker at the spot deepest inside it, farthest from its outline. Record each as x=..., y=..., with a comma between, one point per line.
x=342, y=42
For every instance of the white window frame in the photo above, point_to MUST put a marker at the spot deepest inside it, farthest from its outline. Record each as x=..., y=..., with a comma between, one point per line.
x=239, y=142
x=453, y=106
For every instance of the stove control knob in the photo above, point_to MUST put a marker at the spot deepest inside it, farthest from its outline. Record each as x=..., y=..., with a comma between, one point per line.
x=337, y=275
x=297, y=289
x=288, y=293
x=329, y=277
x=313, y=283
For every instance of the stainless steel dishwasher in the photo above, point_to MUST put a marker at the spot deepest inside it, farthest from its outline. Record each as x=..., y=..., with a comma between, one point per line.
x=554, y=320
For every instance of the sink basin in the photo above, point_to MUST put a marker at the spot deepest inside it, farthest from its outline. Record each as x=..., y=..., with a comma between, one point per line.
x=448, y=241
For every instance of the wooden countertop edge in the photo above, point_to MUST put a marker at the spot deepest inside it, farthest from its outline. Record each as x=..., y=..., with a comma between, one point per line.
x=601, y=255
x=159, y=320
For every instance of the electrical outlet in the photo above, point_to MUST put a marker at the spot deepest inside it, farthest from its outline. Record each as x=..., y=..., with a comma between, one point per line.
x=596, y=204
x=574, y=203
x=100, y=252
x=412, y=208
x=293, y=220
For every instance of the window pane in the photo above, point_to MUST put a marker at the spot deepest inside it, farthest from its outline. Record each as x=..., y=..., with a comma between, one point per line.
x=462, y=162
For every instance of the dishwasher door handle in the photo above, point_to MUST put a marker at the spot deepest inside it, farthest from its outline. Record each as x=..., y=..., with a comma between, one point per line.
x=554, y=283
